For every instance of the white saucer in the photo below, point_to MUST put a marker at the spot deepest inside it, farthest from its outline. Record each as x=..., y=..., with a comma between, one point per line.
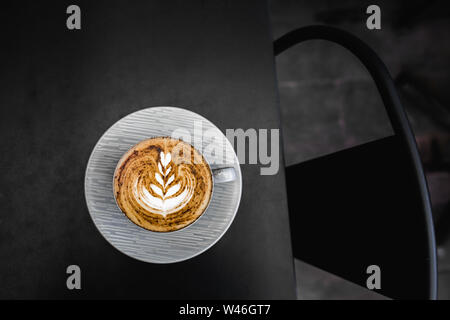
x=131, y=239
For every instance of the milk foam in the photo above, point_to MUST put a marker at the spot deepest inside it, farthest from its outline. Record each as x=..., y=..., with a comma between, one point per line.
x=165, y=197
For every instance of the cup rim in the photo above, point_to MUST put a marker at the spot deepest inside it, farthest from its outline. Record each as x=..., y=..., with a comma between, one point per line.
x=210, y=194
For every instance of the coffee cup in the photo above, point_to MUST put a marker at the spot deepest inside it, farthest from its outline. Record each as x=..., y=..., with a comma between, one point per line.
x=164, y=184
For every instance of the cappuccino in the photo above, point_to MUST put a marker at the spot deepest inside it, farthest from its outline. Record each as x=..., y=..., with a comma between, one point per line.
x=163, y=184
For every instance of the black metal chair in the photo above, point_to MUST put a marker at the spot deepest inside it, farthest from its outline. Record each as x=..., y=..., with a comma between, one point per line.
x=367, y=205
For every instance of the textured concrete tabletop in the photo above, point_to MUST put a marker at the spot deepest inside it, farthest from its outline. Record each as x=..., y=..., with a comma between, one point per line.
x=62, y=89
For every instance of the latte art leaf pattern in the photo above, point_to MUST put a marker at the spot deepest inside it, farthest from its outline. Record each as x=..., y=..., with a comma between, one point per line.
x=165, y=190
x=156, y=191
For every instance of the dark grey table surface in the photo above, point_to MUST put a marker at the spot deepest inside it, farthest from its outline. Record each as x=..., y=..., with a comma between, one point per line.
x=62, y=89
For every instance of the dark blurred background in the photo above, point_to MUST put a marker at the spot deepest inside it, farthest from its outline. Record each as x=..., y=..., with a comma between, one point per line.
x=329, y=103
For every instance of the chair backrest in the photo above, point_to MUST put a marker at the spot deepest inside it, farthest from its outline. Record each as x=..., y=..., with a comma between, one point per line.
x=367, y=205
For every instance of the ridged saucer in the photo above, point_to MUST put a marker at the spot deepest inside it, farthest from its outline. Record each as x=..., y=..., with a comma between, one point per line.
x=117, y=229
